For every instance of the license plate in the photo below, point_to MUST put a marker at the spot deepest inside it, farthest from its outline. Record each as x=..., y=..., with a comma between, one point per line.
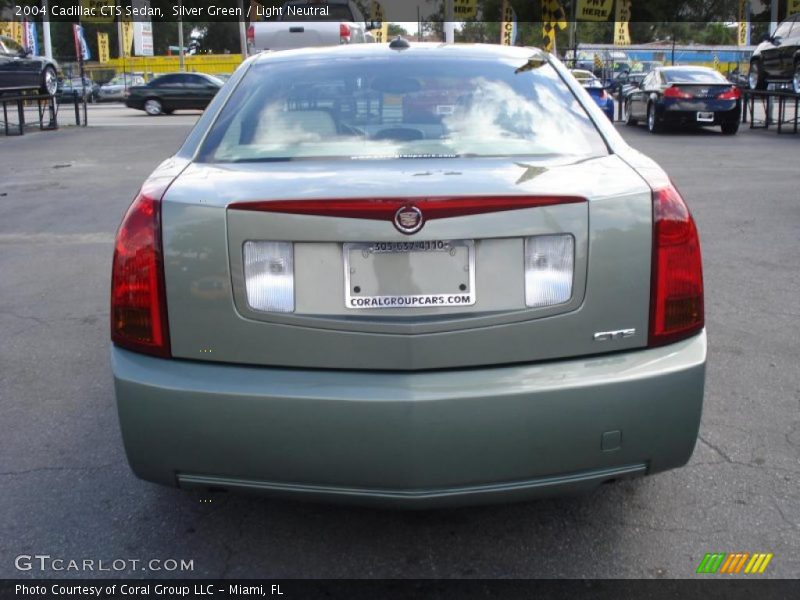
x=705, y=117
x=427, y=274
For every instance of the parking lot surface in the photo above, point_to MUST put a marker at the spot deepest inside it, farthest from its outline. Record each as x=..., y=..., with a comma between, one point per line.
x=67, y=491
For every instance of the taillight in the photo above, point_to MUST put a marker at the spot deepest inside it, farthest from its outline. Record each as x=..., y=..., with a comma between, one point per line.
x=344, y=33
x=138, y=299
x=676, y=296
x=676, y=93
x=730, y=94
x=251, y=34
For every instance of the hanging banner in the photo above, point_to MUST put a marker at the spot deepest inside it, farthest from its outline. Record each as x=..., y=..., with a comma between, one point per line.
x=103, y=48
x=81, y=47
x=622, y=35
x=31, y=39
x=127, y=37
x=553, y=19
x=594, y=10
x=381, y=34
x=508, y=27
x=142, y=30
x=465, y=9
x=743, y=30
x=14, y=30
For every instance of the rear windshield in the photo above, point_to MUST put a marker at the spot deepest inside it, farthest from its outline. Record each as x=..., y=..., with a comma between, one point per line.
x=693, y=76
x=400, y=107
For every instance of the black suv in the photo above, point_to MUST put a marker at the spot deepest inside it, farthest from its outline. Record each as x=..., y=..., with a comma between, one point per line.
x=777, y=58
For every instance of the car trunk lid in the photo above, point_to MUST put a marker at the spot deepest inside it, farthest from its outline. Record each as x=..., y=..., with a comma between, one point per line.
x=212, y=212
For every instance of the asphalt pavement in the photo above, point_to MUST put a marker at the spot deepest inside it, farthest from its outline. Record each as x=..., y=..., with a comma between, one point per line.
x=67, y=491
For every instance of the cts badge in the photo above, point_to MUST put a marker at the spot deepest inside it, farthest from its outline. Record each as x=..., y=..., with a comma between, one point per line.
x=606, y=336
x=408, y=220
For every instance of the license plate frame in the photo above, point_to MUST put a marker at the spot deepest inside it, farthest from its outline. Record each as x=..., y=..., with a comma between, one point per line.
x=448, y=298
x=705, y=116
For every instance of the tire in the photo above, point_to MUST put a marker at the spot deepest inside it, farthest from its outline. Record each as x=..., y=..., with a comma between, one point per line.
x=755, y=79
x=629, y=120
x=49, y=81
x=796, y=77
x=153, y=107
x=730, y=127
x=653, y=126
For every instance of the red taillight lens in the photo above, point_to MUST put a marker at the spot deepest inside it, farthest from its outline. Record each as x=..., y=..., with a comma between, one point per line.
x=676, y=297
x=138, y=300
x=344, y=33
x=251, y=33
x=676, y=93
x=731, y=94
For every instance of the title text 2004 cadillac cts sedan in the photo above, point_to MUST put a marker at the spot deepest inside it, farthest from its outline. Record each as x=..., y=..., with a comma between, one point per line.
x=408, y=276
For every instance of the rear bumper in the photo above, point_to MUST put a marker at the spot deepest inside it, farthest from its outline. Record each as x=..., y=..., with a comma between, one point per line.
x=412, y=439
x=685, y=112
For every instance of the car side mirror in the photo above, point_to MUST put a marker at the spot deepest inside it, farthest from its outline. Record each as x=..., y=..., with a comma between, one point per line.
x=25, y=52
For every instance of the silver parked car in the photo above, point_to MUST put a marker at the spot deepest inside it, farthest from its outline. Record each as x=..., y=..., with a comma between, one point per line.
x=116, y=90
x=407, y=275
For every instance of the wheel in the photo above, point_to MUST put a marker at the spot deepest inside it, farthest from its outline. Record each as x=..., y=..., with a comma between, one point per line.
x=152, y=106
x=653, y=126
x=796, y=77
x=730, y=127
x=629, y=120
x=756, y=79
x=49, y=81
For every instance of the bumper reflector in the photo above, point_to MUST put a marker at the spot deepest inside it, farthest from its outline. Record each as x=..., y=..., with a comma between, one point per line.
x=269, y=276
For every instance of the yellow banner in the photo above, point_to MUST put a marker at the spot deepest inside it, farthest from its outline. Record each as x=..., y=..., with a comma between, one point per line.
x=741, y=32
x=15, y=30
x=381, y=35
x=553, y=18
x=622, y=35
x=792, y=6
x=101, y=11
x=127, y=37
x=103, y=50
x=594, y=10
x=376, y=11
x=507, y=26
x=465, y=9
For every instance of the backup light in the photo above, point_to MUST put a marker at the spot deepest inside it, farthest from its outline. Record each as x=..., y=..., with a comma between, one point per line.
x=269, y=276
x=549, y=270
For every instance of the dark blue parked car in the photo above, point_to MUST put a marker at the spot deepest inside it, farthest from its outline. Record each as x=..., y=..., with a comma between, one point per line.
x=696, y=96
x=596, y=90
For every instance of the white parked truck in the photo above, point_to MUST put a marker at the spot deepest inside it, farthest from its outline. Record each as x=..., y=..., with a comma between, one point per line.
x=305, y=23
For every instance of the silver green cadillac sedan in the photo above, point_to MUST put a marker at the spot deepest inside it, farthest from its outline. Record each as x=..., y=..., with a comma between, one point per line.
x=407, y=275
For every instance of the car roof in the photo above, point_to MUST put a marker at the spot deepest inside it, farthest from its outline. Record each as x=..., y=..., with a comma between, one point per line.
x=461, y=51
x=684, y=67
